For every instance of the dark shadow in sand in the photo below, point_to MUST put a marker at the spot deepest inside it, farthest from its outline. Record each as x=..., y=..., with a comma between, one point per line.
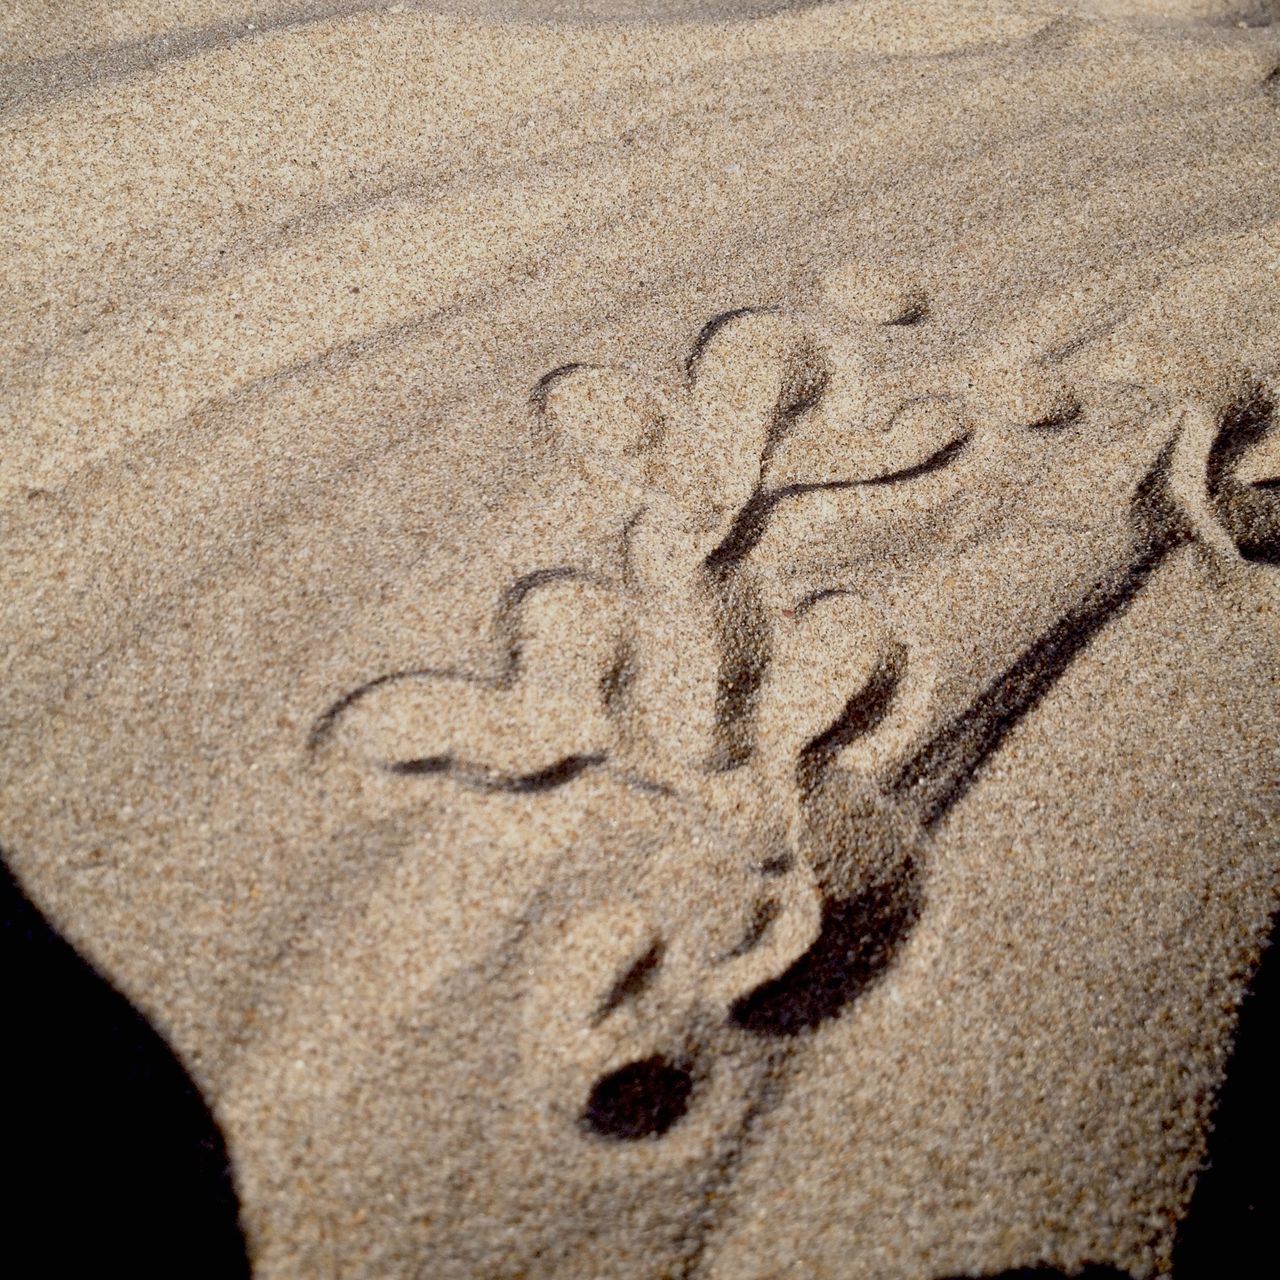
x=858, y=941
x=32, y=82
x=860, y=937
x=114, y=1161
x=1231, y=1227
x=1090, y=1271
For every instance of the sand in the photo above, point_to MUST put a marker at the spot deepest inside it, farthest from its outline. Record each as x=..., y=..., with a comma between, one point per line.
x=648, y=633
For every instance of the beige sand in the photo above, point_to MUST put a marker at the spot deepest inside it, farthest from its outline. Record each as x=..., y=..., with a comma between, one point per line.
x=445, y=666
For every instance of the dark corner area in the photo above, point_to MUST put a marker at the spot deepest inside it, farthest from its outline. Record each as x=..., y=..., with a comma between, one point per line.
x=1234, y=1222
x=114, y=1162
x=1232, y=1228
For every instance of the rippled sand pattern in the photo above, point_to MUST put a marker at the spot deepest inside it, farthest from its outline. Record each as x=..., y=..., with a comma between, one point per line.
x=648, y=634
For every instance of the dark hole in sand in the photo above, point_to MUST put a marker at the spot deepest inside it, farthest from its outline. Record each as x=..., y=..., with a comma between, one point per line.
x=634, y=981
x=641, y=1100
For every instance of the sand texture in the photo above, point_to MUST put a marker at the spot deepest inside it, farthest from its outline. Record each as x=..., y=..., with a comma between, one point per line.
x=650, y=634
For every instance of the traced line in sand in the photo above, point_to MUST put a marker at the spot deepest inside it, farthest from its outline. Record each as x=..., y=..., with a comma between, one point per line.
x=1068, y=415
x=542, y=388
x=933, y=779
x=1250, y=511
x=872, y=896
x=762, y=920
x=633, y=982
x=616, y=683
x=478, y=777
x=859, y=939
x=745, y=631
x=753, y=520
x=915, y=310
x=325, y=722
x=507, y=619
x=746, y=644
x=941, y=771
x=713, y=327
x=862, y=714
x=506, y=629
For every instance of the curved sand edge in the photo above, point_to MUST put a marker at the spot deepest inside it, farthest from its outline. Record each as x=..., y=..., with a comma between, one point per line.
x=279, y=309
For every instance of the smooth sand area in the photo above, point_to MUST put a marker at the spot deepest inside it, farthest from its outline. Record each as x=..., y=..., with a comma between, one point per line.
x=650, y=635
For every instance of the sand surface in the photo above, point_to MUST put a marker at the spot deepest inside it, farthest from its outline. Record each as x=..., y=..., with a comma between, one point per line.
x=650, y=633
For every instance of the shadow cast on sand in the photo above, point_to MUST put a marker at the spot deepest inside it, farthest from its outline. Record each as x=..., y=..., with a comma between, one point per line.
x=115, y=1161
x=1231, y=1224
x=1088, y=1272
x=107, y=1127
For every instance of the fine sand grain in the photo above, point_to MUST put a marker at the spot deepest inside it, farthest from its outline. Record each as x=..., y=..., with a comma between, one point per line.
x=650, y=633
